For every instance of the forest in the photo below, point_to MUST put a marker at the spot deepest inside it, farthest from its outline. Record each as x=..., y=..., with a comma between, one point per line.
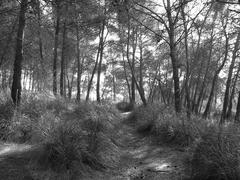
x=119, y=89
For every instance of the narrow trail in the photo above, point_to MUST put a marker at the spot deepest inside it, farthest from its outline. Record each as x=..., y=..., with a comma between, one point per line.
x=140, y=160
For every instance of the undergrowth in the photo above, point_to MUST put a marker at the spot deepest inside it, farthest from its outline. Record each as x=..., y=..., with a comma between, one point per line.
x=74, y=139
x=217, y=154
x=214, y=150
x=164, y=126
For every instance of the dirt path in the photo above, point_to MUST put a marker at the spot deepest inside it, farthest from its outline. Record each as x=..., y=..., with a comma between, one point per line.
x=14, y=160
x=140, y=160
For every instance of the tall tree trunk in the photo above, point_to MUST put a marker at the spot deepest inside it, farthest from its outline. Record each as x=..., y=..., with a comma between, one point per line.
x=57, y=27
x=62, y=73
x=127, y=81
x=229, y=80
x=200, y=96
x=173, y=55
x=141, y=71
x=197, y=57
x=94, y=70
x=131, y=67
x=229, y=109
x=78, y=66
x=214, y=81
x=40, y=44
x=133, y=93
x=237, y=116
x=17, y=72
x=100, y=62
x=124, y=65
x=187, y=93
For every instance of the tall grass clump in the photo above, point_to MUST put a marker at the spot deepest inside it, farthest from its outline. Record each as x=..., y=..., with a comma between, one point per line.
x=6, y=113
x=165, y=126
x=217, y=154
x=82, y=141
x=35, y=116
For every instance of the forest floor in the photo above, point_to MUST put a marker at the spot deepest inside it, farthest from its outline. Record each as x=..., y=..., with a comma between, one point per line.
x=140, y=159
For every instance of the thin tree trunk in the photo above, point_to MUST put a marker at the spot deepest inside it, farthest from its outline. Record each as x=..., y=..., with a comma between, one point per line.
x=131, y=68
x=40, y=43
x=57, y=27
x=197, y=55
x=200, y=96
x=124, y=66
x=237, y=116
x=187, y=93
x=17, y=72
x=94, y=71
x=133, y=93
x=141, y=71
x=229, y=79
x=229, y=109
x=100, y=62
x=78, y=65
x=62, y=73
x=214, y=82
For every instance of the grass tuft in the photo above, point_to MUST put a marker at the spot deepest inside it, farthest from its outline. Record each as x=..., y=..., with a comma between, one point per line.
x=217, y=155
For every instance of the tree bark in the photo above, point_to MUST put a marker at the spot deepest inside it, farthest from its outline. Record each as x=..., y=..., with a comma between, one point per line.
x=17, y=72
x=131, y=67
x=78, y=66
x=100, y=62
x=94, y=71
x=55, y=54
x=214, y=81
x=173, y=55
x=229, y=80
x=237, y=116
x=229, y=109
x=187, y=93
x=63, y=69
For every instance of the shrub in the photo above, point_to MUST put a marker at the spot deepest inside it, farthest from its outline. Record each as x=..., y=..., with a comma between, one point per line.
x=165, y=126
x=6, y=113
x=82, y=140
x=36, y=116
x=217, y=155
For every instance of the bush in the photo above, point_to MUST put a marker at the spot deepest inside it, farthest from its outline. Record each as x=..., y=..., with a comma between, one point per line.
x=81, y=141
x=6, y=113
x=217, y=155
x=165, y=126
x=36, y=116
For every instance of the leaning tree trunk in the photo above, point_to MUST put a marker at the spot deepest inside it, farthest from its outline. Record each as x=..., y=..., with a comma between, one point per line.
x=17, y=72
x=94, y=70
x=229, y=80
x=100, y=63
x=144, y=101
x=214, y=82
